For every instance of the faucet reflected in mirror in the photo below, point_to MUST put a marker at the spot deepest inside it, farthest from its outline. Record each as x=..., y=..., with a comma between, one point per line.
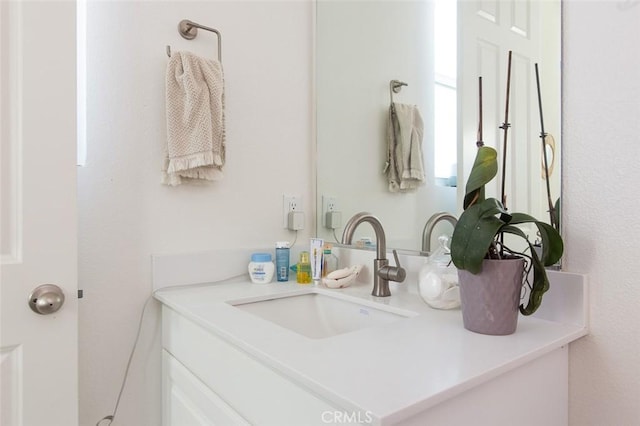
x=430, y=226
x=382, y=272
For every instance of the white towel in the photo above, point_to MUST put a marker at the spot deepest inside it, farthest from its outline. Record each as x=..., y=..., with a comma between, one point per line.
x=405, y=165
x=195, y=119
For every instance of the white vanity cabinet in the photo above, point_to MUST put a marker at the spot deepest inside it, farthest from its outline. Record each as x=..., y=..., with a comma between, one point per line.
x=208, y=381
x=224, y=365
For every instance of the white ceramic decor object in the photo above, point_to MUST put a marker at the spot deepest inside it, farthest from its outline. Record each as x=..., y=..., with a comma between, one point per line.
x=342, y=277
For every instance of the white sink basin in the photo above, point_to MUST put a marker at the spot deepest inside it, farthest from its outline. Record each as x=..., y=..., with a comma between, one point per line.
x=318, y=315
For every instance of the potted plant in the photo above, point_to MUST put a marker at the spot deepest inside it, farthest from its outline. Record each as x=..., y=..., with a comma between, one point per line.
x=491, y=274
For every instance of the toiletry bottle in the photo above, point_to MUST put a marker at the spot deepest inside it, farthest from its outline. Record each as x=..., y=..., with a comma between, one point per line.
x=282, y=261
x=303, y=273
x=329, y=261
x=261, y=268
x=315, y=251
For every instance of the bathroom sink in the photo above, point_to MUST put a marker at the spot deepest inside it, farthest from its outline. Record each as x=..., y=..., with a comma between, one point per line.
x=318, y=315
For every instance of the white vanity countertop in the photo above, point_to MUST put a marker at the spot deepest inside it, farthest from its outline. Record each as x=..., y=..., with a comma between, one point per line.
x=414, y=363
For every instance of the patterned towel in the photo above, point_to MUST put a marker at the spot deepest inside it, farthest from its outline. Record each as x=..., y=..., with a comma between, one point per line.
x=195, y=119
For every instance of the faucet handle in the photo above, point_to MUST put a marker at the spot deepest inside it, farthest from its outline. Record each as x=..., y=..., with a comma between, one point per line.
x=395, y=256
x=393, y=273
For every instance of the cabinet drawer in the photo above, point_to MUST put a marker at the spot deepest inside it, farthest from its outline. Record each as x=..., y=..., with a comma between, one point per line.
x=254, y=391
x=188, y=402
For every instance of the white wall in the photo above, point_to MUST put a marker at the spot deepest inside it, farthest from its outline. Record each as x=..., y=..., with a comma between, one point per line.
x=126, y=215
x=601, y=129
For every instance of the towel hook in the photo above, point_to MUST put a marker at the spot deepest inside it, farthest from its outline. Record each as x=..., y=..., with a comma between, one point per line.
x=189, y=30
x=394, y=87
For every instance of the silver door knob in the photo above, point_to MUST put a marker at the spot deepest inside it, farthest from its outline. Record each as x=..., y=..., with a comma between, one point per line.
x=46, y=299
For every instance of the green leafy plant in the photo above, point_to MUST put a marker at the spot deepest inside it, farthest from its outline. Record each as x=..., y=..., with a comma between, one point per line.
x=479, y=233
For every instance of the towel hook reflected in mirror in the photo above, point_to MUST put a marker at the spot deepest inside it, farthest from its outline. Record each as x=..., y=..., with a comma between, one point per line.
x=394, y=87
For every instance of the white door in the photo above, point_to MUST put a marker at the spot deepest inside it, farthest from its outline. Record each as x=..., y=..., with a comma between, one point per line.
x=38, y=353
x=488, y=30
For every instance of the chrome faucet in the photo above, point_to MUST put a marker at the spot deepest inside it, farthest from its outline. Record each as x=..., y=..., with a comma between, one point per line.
x=431, y=224
x=382, y=272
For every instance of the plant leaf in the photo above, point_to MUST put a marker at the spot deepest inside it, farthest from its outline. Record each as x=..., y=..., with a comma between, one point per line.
x=475, y=232
x=485, y=168
x=557, y=215
x=552, y=245
x=540, y=283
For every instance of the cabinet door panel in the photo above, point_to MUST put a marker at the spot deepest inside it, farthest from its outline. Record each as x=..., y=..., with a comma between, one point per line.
x=189, y=402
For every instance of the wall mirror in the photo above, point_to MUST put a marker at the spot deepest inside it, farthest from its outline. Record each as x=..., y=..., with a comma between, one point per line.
x=438, y=48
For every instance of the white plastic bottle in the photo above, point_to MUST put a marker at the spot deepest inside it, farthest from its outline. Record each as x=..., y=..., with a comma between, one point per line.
x=261, y=268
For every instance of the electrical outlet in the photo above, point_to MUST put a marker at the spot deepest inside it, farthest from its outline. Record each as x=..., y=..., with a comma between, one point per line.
x=290, y=203
x=329, y=204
